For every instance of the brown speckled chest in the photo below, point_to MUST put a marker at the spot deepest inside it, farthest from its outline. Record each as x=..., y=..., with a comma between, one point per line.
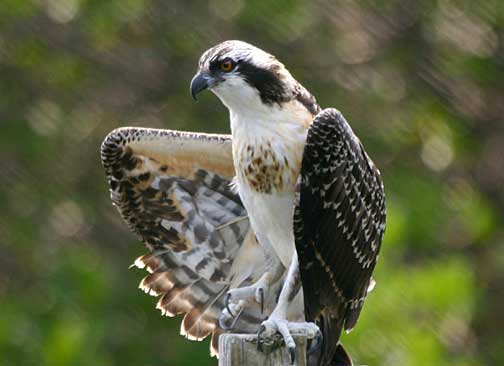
x=265, y=170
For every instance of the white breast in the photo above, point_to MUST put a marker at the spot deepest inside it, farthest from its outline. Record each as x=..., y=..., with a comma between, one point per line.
x=271, y=218
x=271, y=212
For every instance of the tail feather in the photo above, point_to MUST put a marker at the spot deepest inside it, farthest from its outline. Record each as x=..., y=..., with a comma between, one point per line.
x=341, y=357
x=331, y=353
x=331, y=331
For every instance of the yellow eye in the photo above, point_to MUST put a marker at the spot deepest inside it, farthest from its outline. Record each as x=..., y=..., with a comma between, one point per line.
x=226, y=65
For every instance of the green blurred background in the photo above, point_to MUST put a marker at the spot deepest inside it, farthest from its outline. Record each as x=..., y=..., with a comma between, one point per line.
x=421, y=83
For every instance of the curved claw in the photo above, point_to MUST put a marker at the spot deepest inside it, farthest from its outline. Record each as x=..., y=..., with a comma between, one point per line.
x=224, y=326
x=225, y=321
x=316, y=343
x=292, y=352
x=226, y=303
x=261, y=330
x=261, y=295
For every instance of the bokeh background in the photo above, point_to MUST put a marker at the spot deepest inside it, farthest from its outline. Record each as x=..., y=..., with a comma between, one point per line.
x=421, y=82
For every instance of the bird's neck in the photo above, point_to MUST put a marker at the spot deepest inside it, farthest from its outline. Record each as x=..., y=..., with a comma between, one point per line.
x=264, y=122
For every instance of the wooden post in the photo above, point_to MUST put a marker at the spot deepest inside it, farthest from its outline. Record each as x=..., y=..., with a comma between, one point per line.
x=241, y=349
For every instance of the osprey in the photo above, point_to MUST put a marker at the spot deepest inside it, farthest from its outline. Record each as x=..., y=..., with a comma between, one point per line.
x=275, y=228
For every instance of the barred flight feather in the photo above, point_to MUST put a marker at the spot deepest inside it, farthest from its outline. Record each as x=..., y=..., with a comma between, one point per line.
x=173, y=190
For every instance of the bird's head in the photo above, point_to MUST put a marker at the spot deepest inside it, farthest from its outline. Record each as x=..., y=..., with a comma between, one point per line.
x=243, y=75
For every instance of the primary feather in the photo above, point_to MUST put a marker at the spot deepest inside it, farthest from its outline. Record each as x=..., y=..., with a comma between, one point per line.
x=173, y=190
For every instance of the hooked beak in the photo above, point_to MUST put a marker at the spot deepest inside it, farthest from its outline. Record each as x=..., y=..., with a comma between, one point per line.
x=199, y=83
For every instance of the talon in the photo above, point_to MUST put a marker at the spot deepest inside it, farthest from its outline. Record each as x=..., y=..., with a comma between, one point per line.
x=226, y=303
x=292, y=352
x=316, y=343
x=261, y=330
x=223, y=322
x=261, y=295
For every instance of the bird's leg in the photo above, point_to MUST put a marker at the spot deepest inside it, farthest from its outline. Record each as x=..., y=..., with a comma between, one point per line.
x=239, y=297
x=277, y=322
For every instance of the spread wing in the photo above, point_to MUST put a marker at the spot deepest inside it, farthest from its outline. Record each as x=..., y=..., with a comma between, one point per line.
x=173, y=189
x=339, y=222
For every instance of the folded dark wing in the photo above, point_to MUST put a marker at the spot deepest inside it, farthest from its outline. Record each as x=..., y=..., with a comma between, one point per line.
x=339, y=223
x=174, y=191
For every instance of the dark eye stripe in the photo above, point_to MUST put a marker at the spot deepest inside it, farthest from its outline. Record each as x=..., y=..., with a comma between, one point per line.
x=271, y=88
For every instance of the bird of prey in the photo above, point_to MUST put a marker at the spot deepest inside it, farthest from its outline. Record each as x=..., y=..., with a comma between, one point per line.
x=274, y=228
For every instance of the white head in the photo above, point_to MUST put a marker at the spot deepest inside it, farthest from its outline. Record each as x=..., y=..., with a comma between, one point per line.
x=244, y=76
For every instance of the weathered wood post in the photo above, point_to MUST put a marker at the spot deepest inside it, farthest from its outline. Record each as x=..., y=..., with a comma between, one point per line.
x=241, y=349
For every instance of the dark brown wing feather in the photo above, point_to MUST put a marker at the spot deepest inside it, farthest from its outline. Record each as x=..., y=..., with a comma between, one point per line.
x=339, y=223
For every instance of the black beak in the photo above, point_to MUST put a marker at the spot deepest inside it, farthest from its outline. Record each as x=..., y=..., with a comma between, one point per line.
x=198, y=83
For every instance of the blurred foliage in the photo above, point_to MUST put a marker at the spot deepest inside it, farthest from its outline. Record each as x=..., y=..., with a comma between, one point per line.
x=421, y=82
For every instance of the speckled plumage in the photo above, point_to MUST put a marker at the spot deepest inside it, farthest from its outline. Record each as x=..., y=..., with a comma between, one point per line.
x=305, y=191
x=339, y=223
x=336, y=224
x=173, y=190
